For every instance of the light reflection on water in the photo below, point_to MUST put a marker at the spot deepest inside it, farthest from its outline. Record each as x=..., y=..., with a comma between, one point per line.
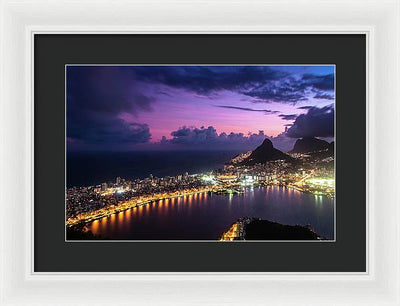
x=205, y=216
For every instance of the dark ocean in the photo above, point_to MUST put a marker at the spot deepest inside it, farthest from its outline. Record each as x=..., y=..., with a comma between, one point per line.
x=87, y=169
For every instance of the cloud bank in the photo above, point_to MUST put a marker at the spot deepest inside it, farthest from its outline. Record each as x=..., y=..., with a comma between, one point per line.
x=96, y=99
x=207, y=138
x=317, y=122
x=264, y=84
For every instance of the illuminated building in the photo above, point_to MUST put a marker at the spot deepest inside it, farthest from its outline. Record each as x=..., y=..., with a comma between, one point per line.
x=226, y=178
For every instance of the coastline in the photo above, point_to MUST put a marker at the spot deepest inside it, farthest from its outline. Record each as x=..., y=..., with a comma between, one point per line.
x=127, y=205
x=79, y=220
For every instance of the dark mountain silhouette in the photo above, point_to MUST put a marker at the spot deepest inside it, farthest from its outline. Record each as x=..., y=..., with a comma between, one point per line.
x=265, y=152
x=330, y=152
x=310, y=144
x=331, y=147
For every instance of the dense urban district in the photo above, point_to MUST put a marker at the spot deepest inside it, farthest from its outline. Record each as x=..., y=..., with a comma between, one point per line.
x=308, y=168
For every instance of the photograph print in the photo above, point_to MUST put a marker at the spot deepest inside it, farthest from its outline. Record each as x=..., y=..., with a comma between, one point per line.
x=221, y=153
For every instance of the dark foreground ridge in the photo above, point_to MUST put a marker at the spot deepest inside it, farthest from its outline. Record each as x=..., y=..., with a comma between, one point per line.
x=79, y=232
x=257, y=229
x=266, y=230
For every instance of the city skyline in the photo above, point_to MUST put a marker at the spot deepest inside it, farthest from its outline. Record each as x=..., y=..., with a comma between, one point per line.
x=197, y=107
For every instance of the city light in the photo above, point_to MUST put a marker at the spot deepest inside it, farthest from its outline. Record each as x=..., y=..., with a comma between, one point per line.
x=86, y=204
x=328, y=182
x=248, y=181
x=208, y=179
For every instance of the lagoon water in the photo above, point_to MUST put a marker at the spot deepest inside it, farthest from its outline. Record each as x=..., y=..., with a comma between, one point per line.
x=206, y=216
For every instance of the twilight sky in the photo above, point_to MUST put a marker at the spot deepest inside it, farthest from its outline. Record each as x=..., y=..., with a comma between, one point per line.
x=197, y=107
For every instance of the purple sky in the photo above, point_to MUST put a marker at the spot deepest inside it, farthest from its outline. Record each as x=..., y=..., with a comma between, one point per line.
x=196, y=107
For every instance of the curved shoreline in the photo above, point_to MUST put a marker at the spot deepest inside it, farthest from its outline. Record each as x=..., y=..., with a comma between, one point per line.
x=138, y=203
x=121, y=207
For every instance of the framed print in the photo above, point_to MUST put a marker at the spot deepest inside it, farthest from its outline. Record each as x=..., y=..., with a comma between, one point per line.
x=148, y=156
x=185, y=153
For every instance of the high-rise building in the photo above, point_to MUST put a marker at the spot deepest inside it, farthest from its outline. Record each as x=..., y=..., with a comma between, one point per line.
x=104, y=187
x=118, y=181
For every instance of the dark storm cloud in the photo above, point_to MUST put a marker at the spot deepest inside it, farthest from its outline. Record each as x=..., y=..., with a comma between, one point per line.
x=106, y=89
x=286, y=90
x=288, y=117
x=267, y=111
x=321, y=82
x=263, y=84
x=208, y=138
x=318, y=122
x=103, y=130
x=204, y=80
x=96, y=97
x=184, y=132
x=323, y=96
x=293, y=90
x=305, y=107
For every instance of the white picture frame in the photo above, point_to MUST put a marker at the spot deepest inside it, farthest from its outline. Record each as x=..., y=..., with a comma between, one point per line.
x=379, y=20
